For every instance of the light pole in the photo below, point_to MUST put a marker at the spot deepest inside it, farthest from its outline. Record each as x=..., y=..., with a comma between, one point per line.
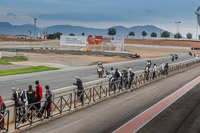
x=177, y=22
x=30, y=33
x=35, y=19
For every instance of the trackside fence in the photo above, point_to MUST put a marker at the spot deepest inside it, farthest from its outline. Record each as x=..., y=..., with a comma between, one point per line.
x=92, y=92
x=4, y=121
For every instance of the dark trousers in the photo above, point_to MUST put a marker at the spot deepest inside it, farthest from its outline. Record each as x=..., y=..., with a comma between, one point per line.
x=80, y=95
x=38, y=106
x=154, y=75
x=47, y=107
x=130, y=82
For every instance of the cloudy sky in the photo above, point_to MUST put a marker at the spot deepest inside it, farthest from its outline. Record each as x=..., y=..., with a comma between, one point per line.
x=103, y=13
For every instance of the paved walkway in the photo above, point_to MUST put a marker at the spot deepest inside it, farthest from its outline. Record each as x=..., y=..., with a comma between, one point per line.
x=108, y=115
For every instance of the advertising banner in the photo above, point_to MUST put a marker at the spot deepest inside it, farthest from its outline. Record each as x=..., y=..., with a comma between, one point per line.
x=117, y=40
x=73, y=40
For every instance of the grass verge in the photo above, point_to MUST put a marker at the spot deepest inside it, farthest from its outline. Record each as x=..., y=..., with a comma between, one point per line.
x=7, y=60
x=26, y=70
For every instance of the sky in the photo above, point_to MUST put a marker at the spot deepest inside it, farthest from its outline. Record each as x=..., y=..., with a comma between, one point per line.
x=104, y=13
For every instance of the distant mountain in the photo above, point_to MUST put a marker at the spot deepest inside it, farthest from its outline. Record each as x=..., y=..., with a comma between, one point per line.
x=7, y=28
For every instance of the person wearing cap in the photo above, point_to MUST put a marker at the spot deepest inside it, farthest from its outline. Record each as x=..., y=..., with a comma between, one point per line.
x=80, y=88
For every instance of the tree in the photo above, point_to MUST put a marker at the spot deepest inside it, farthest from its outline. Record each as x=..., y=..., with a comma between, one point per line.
x=112, y=31
x=131, y=33
x=144, y=34
x=71, y=34
x=189, y=35
x=165, y=34
x=83, y=34
x=177, y=35
x=54, y=35
x=153, y=34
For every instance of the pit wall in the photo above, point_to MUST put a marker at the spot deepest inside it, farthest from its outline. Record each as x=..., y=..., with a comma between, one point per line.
x=94, y=87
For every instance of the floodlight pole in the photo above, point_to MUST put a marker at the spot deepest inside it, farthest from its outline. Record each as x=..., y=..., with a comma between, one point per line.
x=177, y=22
x=35, y=19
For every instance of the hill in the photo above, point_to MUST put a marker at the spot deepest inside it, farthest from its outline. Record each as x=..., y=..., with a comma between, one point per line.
x=8, y=29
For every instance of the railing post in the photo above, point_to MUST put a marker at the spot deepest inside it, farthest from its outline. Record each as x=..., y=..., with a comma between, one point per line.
x=61, y=98
x=100, y=91
x=74, y=98
x=93, y=93
x=8, y=120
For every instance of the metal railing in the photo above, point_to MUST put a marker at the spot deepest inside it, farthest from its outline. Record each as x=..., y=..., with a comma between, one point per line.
x=29, y=114
x=93, y=93
x=4, y=121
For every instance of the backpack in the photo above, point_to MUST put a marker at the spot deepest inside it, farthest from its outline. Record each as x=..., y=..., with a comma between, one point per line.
x=19, y=99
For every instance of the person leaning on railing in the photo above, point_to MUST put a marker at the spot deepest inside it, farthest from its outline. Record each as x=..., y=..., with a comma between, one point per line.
x=80, y=88
x=2, y=108
x=132, y=74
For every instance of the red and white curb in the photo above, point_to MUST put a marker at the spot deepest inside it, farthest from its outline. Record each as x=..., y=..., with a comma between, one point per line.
x=140, y=120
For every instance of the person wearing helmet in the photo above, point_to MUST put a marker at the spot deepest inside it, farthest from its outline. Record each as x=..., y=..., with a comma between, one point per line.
x=100, y=65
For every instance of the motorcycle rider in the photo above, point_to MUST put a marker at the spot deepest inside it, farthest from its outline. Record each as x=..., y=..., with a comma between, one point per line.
x=100, y=65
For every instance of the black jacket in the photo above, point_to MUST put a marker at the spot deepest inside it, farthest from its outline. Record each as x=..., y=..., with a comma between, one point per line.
x=79, y=84
x=30, y=96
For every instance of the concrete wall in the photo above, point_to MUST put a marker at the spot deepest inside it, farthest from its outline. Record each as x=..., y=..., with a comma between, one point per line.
x=139, y=80
x=73, y=52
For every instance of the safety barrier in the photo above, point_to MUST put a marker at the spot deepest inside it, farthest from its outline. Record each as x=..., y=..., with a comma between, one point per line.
x=25, y=114
x=68, y=99
x=4, y=121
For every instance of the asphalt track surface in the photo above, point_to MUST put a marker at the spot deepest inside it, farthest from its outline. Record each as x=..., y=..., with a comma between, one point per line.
x=181, y=117
x=65, y=77
x=109, y=115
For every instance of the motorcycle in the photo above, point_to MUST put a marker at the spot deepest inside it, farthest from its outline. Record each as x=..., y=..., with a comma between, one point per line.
x=100, y=72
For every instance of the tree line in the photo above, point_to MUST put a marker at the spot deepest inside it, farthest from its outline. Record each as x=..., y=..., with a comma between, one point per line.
x=112, y=32
x=165, y=34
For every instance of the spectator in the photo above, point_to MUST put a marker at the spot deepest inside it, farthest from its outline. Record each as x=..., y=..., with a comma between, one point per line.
x=118, y=78
x=80, y=89
x=48, y=102
x=31, y=99
x=38, y=96
x=112, y=72
x=13, y=94
x=166, y=68
x=154, y=70
x=19, y=102
x=147, y=72
x=124, y=79
x=162, y=66
x=132, y=74
x=2, y=108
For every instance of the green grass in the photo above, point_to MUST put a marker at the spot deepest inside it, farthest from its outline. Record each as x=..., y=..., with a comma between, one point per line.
x=26, y=70
x=7, y=60
x=14, y=59
x=94, y=63
x=3, y=62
